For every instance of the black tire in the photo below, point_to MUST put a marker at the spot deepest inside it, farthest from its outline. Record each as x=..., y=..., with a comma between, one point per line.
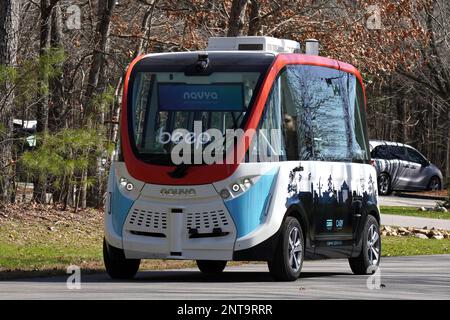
x=434, y=184
x=283, y=267
x=360, y=264
x=384, y=184
x=117, y=266
x=211, y=266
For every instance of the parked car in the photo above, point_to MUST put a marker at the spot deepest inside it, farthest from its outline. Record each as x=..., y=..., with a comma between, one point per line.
x=401, y=167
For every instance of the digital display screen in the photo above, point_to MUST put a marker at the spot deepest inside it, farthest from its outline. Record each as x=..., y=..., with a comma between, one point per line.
x=200, y=97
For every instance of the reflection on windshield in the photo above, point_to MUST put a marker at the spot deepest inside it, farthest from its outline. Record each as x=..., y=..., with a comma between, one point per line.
x=166, y=102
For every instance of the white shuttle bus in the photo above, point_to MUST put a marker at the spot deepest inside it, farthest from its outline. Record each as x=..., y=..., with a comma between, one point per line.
x=248, y=151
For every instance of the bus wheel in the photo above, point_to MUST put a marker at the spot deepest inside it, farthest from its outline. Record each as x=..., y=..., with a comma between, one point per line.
x=211, y=266
x=368, y=260
x=287, y=263
x=117, y=266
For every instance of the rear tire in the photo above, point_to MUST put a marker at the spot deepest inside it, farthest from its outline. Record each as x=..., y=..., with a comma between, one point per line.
x=369, y=259
x=434, y=184
x=211, y=266
x=287, y=263
x=384, y=184
x=117, y=266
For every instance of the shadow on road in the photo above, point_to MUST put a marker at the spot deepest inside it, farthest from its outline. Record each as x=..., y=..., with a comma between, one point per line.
x=170, y=276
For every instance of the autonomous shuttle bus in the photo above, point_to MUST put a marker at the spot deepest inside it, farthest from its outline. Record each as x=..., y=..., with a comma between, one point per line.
x=247, y=151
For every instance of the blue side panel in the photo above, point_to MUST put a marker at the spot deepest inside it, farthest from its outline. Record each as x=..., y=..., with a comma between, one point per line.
x=248, y=210
x=120, y=206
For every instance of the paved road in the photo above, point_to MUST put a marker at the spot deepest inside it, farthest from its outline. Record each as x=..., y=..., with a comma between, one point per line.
x=406, y=202
x=416, y=222
x=406, y=221
x=420, y=277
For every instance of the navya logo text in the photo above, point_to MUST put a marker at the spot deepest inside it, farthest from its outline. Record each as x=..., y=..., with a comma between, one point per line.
x=182, y=192
x=200, y=95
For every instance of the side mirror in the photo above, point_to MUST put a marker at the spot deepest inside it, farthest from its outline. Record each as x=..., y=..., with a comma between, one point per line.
x=425, y=163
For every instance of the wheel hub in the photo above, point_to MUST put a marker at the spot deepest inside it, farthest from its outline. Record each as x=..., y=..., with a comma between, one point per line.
x=373, y=247
x=295, y=249
x=384, y=184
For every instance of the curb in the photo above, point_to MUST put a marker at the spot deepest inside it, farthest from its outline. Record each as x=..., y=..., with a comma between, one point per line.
x=418, y=196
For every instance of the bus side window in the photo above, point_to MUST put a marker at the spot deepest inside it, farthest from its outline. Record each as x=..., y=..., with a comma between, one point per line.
x=290, y=124
x=361, y=147
x=320, y=104
x=269, y=145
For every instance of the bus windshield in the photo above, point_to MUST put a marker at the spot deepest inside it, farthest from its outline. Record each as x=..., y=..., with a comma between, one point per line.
x=163, y=102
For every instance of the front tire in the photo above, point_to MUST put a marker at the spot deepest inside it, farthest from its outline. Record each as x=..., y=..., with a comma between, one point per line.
x=287, y=263
x=211, y=266
x=369, y=258
x=384, y=185
x=117, y=266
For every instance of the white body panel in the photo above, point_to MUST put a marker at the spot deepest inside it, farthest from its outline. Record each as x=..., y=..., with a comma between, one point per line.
x=251, y=43
x=152, y=210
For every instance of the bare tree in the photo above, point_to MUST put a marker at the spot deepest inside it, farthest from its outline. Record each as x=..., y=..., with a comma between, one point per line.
x=96, y=85
x=9, y=28
x=105, y=11
x=254, y=19
x=236, y=22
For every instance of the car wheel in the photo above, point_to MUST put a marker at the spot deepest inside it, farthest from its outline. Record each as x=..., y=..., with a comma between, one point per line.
x=384, y=184
x=434, y=184
x=210, y=266
x=369, y=258
x=117, y=266
x=287, y=263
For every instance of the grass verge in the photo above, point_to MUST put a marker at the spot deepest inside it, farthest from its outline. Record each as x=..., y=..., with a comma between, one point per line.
x=414, y=212
x=411, y=246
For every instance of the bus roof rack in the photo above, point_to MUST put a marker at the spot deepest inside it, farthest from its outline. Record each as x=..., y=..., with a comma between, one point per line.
x=253, y=43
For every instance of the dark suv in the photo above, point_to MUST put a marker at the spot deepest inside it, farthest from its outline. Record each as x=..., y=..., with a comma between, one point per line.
x=401, y=167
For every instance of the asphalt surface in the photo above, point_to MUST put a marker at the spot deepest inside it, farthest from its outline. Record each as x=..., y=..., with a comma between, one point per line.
x=416, y=222
x=419, y=277
x=406, y=202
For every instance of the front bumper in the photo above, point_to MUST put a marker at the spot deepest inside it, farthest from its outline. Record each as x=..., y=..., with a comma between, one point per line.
x=151, y=222
x=179, y=229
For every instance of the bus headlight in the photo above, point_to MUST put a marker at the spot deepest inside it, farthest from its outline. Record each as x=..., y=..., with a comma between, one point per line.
x=247, y=183
x=241, y=185
x=225, y=194
x=125, y=184
x=236, y=187
x=129, y=186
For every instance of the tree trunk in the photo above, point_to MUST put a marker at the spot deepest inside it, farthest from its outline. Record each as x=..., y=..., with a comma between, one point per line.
x=401, y=117
x=97, y=85
x=254, y=21
x=9, y=28
x=44, y=44
x=56, y=108
x=83, y=192
x=237, y=16
x=447, y=157
x=146, y=26
x=105, y=10
x=40, y=182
